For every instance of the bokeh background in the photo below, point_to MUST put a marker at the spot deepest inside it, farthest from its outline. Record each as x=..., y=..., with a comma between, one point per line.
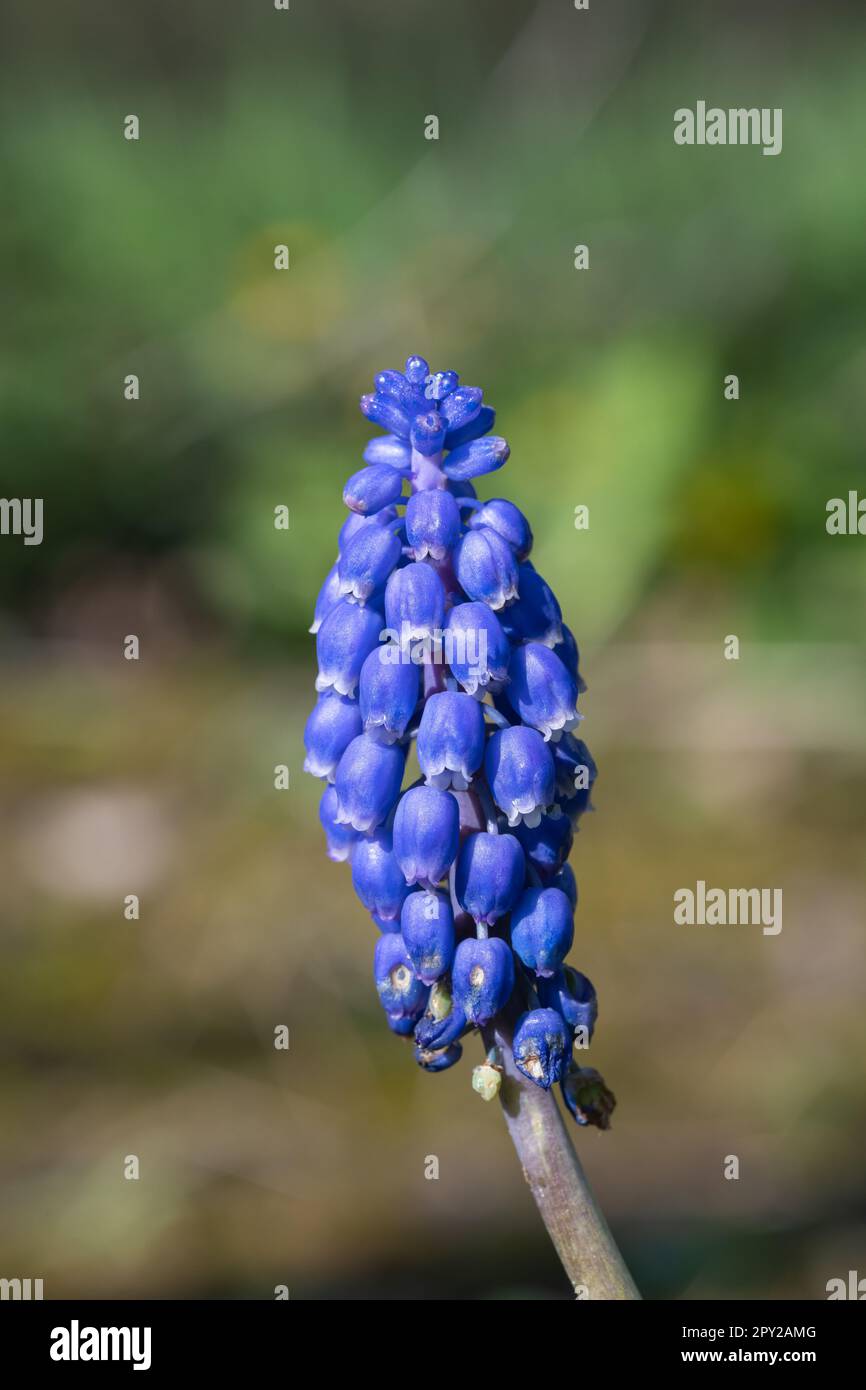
x=707, y=518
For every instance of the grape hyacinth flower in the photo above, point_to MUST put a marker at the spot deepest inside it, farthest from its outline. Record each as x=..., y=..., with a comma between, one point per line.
x=434, y=625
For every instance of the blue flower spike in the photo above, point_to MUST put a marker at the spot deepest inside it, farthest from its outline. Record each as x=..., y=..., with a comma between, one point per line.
x=434, y=625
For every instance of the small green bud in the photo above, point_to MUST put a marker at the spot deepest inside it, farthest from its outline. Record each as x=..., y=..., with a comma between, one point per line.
x=439, y=1003
x=486, y=1080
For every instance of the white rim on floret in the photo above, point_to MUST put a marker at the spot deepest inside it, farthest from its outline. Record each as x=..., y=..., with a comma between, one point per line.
x=355, y=591
x=553, y=729
x=342, y=687
x=507, y=596
x=379, y=729
x=320, y=769
x=448, y=772
x=525, y=809
x=483, y=681
x=435, y=552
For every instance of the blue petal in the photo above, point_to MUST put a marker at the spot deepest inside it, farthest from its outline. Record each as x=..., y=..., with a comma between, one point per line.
x=341, y=839
x=390, y=449
x=427, y=927
x=441, y=385
x=541, y=1046
x=566, y=880
x=568, y=653
x=417, y=370
x=441, y=1032
x=396, y=387
x=477, y=650
x=354, y=522
x=477, y=457
x=428, y=432
x=508, y=521
x=348, y=633
x=367, y=561
x=368, y=781
x=329, y=595
x=461, y=407
x=548, y=844
x=460, y=490
x=491, y=870
x=432, y=523
x=401, y=992
x=451, y=739
x=482, y=978
x=385, y=411
x=541, y=691
x=426, y=834
x=376, y=876
x=414, y=602
x=486, y=568
x=542, y=929
x=333, y=723
x=372, y=488
x=535, y=616
x=438, y=1061
x=573, y=996
x=482, y=424
x=388, y=692
x=520, y=771
x=574, y=764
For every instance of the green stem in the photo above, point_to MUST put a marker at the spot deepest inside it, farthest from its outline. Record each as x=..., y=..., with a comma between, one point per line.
x=556, y=1179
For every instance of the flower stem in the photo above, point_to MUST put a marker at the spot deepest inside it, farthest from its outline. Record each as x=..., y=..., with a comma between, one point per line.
x=556, y=1179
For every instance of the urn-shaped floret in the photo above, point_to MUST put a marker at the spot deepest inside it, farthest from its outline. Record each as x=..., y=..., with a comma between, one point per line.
x=401, y=993
x=541, y=1046
x=483, y=978
x=542, y=929
x=519, y=768
x=427, y=927
x=490, y=874
x=368, y=779
x=426, y=834
x=451, y=739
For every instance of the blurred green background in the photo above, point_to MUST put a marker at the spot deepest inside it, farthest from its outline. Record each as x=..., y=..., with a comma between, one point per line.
x=707, y=518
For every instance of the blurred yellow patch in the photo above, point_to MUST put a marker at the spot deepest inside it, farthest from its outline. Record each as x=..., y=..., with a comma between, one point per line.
x=726, y=517
x=298, y=305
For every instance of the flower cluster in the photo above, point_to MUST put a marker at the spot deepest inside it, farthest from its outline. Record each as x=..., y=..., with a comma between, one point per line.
x=437, y=639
